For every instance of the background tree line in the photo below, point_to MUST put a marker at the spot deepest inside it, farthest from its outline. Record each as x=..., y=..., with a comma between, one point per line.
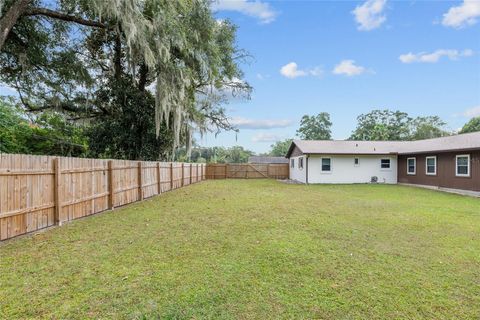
x=234, y=154
x=376, y=125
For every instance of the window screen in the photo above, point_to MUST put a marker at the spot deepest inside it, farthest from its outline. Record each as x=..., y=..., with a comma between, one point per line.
x=326, y=164
x=463, y=165
x=385, y=163
x=411, y=165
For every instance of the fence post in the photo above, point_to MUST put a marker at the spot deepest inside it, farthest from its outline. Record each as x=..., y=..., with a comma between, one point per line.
x=58, y=186
x=190, y=173
x=111, y=192
x=226, y=170
x=183, y=178
x=140, y=182
x=171, y=175
x=159, y=173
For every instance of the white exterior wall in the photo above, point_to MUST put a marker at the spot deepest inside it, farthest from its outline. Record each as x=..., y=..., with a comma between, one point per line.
x=297, y=173
x=343, y=169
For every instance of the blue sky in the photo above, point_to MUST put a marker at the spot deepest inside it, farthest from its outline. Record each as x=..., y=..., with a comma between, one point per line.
x=348, y=58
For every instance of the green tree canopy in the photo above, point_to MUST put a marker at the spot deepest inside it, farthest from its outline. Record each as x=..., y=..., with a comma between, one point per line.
x=382, y=125
x=428, y=128
x=280, y=148
x=390, y=125
x=471, y=126
x=315, y=127
x=93, y=60
x=235, y=154
x=47, y=134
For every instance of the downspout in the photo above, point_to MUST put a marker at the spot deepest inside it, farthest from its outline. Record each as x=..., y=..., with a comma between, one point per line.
x=306, y=167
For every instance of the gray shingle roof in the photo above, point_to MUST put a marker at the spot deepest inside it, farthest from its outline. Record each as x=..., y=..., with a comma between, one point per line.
x=347, y=147
x=467, y=141
x=457, y=142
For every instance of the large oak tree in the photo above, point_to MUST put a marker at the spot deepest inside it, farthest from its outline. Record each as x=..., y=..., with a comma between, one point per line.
x=122, y=66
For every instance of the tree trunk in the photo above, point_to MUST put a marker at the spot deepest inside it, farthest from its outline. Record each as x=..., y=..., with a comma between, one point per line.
x=143, y=77
x=10, y=18
x=118, y=56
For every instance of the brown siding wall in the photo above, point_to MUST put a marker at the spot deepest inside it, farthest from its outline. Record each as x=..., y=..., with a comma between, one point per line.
x=445, y=171
x=296, y=152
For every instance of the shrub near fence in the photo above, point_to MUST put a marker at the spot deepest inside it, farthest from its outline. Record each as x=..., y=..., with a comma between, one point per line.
x=42, y=191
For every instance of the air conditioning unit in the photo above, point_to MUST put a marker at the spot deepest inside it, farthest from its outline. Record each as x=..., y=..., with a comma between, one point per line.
x=374, y=179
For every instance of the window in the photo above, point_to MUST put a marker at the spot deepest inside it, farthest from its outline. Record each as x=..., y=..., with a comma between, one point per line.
x=431, y=166
x=412, y=166
x=462, y=166
x=326, y=164
x=292, y=163
x=385, y=163
x=356, y=162
x=300, y=163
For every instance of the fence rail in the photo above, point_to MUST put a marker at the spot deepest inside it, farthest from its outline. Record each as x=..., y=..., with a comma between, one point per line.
x=247, y=171
x=42, y=191
x=37, y=192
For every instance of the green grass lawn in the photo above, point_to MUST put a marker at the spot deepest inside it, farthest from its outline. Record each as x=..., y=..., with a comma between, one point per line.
x=244, y=249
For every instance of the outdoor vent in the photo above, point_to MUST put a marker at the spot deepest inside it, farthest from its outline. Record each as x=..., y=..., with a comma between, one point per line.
x=374, y=179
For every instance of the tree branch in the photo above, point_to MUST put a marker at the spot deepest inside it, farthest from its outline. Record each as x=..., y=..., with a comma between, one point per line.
x=64, y=17
x=10, y=18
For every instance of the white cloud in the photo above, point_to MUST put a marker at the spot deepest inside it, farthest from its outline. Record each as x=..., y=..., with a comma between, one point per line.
x=245, y=123
x=257, y=9
x=370, y=15
x=267, y=137
x=472, y=112
x=463, y=15
x=434, y=56
x=348, y=68
x=316, y=72
x=290, y=70
x=262, y=76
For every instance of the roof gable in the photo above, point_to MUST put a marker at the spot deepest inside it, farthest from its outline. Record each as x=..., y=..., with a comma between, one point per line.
x=292, y=147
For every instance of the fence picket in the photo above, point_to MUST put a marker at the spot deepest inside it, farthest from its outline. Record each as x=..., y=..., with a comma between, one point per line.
x=41, y=191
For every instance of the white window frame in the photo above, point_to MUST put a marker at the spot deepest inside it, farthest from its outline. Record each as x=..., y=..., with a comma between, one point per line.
x=358, y=160
x=292, y=163
x=300, y=163
x=414, y=166
x=468, y=165
x=389, y=164
x=426, y=166
x=321, y=165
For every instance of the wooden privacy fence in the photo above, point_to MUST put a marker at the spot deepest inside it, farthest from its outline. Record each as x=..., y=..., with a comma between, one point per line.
x=247, y=171
x=41, y=191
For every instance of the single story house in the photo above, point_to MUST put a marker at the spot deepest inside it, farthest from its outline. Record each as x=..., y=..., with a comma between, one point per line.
x=267, y=160
x=451, y=162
